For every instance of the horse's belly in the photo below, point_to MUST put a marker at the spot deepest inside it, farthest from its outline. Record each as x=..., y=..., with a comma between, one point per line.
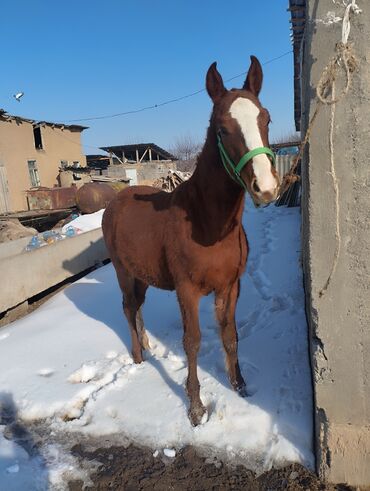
x=216, y=277
x=159, y=276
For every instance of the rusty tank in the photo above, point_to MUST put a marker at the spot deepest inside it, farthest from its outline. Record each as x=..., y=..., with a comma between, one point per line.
x=94, y=196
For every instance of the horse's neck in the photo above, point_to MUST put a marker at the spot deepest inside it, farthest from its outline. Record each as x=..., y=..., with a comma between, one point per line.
x=219, y=200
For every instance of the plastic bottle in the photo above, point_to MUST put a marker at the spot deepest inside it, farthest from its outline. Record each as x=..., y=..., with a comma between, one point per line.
x=47, y=235
x=70, y=232
x=34, y=243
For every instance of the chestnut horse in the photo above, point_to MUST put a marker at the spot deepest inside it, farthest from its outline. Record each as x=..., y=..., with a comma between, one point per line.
x=192, y=240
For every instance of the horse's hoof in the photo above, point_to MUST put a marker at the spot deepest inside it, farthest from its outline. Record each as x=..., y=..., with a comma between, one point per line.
x=240, y=388
x=138, y=358
x=198, y=415
x=242, y=391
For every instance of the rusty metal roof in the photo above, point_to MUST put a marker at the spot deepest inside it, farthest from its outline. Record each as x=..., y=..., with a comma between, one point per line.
x=5, y=116
x=297, y=10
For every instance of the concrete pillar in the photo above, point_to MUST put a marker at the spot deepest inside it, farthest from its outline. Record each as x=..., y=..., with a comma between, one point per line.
x=339, y=319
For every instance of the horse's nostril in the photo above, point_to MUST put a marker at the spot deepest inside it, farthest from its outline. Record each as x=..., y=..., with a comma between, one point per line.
x=255, y=186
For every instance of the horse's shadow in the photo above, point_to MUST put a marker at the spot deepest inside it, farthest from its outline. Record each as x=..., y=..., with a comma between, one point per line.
x=102, y=301
x=15, y=430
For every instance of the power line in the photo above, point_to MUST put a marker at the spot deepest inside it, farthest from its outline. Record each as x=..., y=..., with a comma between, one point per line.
x=170, y=101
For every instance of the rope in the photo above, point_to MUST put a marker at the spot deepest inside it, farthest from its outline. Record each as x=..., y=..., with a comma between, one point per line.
x=345, y=61
x=332, y=173
x=290, y=177
x=343, y=53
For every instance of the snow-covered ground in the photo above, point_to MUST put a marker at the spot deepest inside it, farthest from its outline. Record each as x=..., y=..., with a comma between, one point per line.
x=84, y=223
x=69, y=364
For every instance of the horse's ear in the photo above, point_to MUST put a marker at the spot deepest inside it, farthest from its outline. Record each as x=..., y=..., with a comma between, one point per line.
x=253, y=82
x=214, y=83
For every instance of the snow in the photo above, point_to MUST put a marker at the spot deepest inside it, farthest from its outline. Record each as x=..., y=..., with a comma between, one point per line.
x=69, y=364
x=169, y=452
x=84, y=223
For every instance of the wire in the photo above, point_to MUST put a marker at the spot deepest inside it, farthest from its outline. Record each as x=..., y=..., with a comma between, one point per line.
x=170, y=101
x=155, y=105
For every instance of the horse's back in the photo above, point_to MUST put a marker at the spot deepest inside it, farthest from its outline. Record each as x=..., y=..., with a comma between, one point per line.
x=132, y=204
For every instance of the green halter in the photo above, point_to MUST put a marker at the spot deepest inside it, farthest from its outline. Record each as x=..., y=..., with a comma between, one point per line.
x=235, y=170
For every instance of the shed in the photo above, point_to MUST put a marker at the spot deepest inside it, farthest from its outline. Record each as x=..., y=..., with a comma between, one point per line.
x=139, y=153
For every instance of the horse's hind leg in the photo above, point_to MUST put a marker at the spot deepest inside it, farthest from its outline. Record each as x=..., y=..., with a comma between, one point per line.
x=140, y=290
x=133, y=292
x=225, y=311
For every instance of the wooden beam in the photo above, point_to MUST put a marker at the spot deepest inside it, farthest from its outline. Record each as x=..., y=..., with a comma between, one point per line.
x=144, y=154
x=296, y=8
x=119, y=160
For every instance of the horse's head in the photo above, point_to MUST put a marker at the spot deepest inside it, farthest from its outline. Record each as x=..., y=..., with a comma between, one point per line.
x=241, y=126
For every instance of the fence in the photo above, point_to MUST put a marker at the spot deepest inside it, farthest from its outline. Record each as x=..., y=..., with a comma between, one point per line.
x=283, y=164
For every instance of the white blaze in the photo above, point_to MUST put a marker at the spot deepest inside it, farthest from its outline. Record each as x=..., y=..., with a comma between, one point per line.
x=246, y=113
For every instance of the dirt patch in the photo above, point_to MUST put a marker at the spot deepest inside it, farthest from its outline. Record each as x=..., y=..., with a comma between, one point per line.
x=135, y=469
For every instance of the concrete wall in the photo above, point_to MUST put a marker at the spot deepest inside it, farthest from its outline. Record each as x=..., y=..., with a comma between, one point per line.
x=17, y=147
x=30, y=273
x=149, y=172
x=146, y=172
x=339, y=319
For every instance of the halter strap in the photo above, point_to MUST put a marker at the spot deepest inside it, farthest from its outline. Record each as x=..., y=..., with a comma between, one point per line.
x=253, y=153
x=235, y=170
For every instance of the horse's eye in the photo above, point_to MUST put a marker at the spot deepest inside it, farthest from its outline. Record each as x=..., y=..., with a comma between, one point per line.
x=224, y=131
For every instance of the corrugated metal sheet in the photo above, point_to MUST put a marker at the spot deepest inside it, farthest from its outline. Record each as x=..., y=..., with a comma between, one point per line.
x=283, y=164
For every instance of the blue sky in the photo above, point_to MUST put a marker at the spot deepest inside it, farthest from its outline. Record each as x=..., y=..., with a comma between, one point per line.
x=82, y=58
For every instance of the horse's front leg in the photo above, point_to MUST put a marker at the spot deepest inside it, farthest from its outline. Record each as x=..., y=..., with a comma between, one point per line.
x=188, y=298
x=225, y=304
